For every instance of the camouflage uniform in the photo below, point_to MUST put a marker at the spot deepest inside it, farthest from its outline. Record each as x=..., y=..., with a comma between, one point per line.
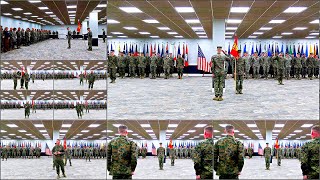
x=122, y=66
x=265, y=60
x=297, y=62
x=280, y=61
x=255, y=61
x=112, y=65
x=142, y=66
x=279, y=154
x=248, y=66
x=58, y=159
x=240, y=71
x=288, y=66
x=122, y=157
x=172, y=155
x=132, y=66
x=228, y=157
x=153, y=66
x=167, y=66
x=310, y=65
x=203, y=159
x=219, y=70
x=161, y=154
x=180, y=66
x=310, y=153
x=267, y=156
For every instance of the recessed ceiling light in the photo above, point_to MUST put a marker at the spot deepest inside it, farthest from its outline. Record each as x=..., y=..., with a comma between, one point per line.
x=201, y=33
x=169, y=130
x=130, y=28
x=163, y=28
x=130, y=9
x=184, y=9
x=27, y=13
x=48, y=12
x=149, y=130
x=11, y=134
x=17, y=9
x=3, y=131
x=172, y=32
x=307, y=125
x=192, y=21
x=191, y=131
x=151, y=21
x=239, y=9
x=310, y=37
x=292, y=134
x=314, y=34
x=85, y=131
x=286, y=33
x=276, y=37
x=279, y=125
x=112, y=21
x=145, y=125
x=276, y=131
x=258, y=33
x=63, y=131
x=22, y=130
x=251, y=125
x=38, y=125
x=172, y=125
x=255, y=131
x=315, y=21
x=223, y=125
x=178, y=36
x=297, y=131
x=116, y=33
x=234, y=21
x=43, y=8
x=35, y=1
x=70, y=12
x=154, y=36
x=42, y=130
x=102, y=5
x=265, y=28
x=185, y=134
x=135, y=134
x=144, y=33
x=72, y=6
x=200, y=125
x=7, y=14
x=17, y=17
x=299, y=28
x=295, y=9
x=94, y=125
x=12, y=125
x=277, y=21
x=230, y=33
x=34, y=16
x=3, y=2
x=231, y=28
x=197, y=28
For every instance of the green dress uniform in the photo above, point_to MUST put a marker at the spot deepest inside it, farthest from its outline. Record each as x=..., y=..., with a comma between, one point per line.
x=161, y=154
x=203, y=159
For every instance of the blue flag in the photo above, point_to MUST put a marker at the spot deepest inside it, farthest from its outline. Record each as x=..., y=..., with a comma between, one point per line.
x=306, y=50
x=260, y=49
x=302, y=49
x=269, y=51
x=229, y=49
x=245, y=48
x=252, y=51
x=294, y=51
x=287, y=49
x=162, y=52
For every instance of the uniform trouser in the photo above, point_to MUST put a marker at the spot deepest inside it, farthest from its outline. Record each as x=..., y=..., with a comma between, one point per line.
x=218, y=85
x=267, y=159
x=280, y=75
x=228, y=176
x=81, y=81
x=69, y=158
x=304, y=72
x=297, y=72
x=26, y=113
x=69, y=43
x=132, y=70
x=15, y=83
x=90, y=44
x=26, y=84
x=4, y=156
x=167, y=71
x=153, y=71
x=59, y=164
x=288, y=69
x=239, y=82
x=180, y=72
x=161, y=160
x=310, y=72
x=90, y=85
x=122, y=71
x=316, y=72
x=87, y=157
x=265, y=71
x=147, y=70
x=87, y=110
x=275, y=71
x=79, y=113
x=247, y=71
x=121, y=176
x=113, y=72
x=256, y=72
x=172, y=161
x=141, y=71
x=159, y=68
x=279, y=161
x=21, y=83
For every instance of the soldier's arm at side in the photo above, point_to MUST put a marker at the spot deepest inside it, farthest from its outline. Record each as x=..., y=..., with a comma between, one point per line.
x=240, y=157
x=109, y=162
x=304, y=160
x=215, y=157
x=197, y=160
x=134, y=155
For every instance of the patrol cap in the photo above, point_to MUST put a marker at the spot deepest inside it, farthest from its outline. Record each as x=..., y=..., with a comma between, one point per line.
x=239, y=51
x=160, y=143
x=219, y=47
x=311, y=52
x=267, y=143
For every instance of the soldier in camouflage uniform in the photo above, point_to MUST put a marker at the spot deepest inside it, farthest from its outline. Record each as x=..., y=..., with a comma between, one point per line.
x=122, y=65
x=112, y=65
x=159, y=65
x=228, y=155
x=132, y=66
x=265, y=60
x=91, y=79
x=27, y=110
x=122, y=155
x=297, y=63
x=248, y=64
x=172, y=156
x=26, y=80
x=141, y=65
x=68, y=155
x=4, y=153
x=316, y=66
x=58, y=152
x=81, y=78
x=78, y=109
x=15, y=77
x=267, y=156
x=240, y=72
x=288, y=65
x=88, y=153
x=219, y=72
x=203, y=156
x=153, y=66
x=255, y=62
x=310, y=155
x=304, y=65
x=310, y=65
x=69, y=38
x=180, y=66
x=148, y=59
x=161, y=153
x=167, y=66
x=279, y=156
x=280, y=61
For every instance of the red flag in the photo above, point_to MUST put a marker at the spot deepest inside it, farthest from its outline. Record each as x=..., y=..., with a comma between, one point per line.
x=234, y=51
x=151, y=50
x=260, y=151
x=167, y=48
x=277, y=144
x=186, y=57
x=48, y=151
x=170, y=144
x=183, y=51
x=64, y=142
x=22, y=71
x=79, y=26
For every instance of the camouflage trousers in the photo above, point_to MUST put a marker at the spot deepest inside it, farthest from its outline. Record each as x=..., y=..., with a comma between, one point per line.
x=81, y=81
x=167, y=72
x=132, y=71
x=26, y=113
x=172, y=160
x=267, y=159
x=161, y=160
x=239, y=82
x=265, y=71
x=142, y=71
x=280, y=75
x=229, y=176
x=310, y=72
x=218, y=85
x=122, y=71
x=316, y=72
x=113, y=72
x=279, y=161
x=288, y=70
x=206, y=176
x=303, y=72
x=180, y=72
x=297, y=72
x=59, y=164
x=153, y=70
x=90, y=85
x=122, y=176
x=15, y=83
x=256, y=71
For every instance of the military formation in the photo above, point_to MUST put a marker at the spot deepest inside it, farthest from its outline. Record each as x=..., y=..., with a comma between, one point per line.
x=9, y=151
x=142, y=66
x=14, y=38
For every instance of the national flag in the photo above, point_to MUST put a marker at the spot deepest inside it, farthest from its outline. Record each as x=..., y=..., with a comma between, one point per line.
x=154, y=150
x=301, y=49
x=183, y=51
x=273, y=48
x=317, y=50
x=65, y=142
x=142, y=145
x=136, y=50
x=257, y=49
x=22, y=71
x=290, y=50
x=277, y=144
x=146, y=145
x=229, y=49
x=307, y=53
x=282, y=48
x=245, y=48
x=252, y=51
x=147, y=52
x=310, y=49
x=167, y=48
x=170, y=144
x=294, y=51
x=162, y=51
x=269, y=51
x=234, y=50
x=144, y=52
x=79, y=26
x=124, y=49
x=260, y=50
x=151, y=50
x=287, y=48
x=47, y=150
x=260, y=150
x=277, y=49
x=202, y=63
x=186, y=63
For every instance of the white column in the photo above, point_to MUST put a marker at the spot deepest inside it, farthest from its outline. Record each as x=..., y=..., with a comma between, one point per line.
x=84, y=27
x=55, y=136
x=93, y=24
x=269, y=136
x=218, y=37
x=162, y=137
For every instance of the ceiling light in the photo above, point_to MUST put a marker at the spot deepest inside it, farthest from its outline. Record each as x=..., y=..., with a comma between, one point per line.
x=70, y=12
x=191, y=131
x=276, y=37
x=17, y=9
x=314, y=34
x=7, y=14
x=170, y=131
x=192, y=21
x=239, y=9
x=277, y=21
x=3, y=2
x=35, y=1
x=130, y=9
x=145, y=125
x=116, y=33
x=94, y=125
x=63, y=131
x=197, y=28
x=43, y=8
x=149, y=130
x=200, y=125
x=151, y=21
x=223, y=125
x=72, y=7
x=255, y=131
x=292, y=134
x=172, y=32
x=258, y=33
x=11, y=134
x=178, y=36
x=286, y=33
x=229, y=37
x=299, y=28
x=96, y=134
x=66, y=125
x=112, y=21
x=163, y=28
x=130, y=28
x=85, y=131
x=251, y=125
x=230, y=33
x=279, y=125
x=48, y=12
x=3, y=131
x=34, y=16
x=186, y=134
x=265, y=28
x=144, y=33
x=172, y=125
x=315, y=21
x=29, y=134
x=27, y=13
x=154, y=36
x=12, y=125
x=22, y=130
x=38, y=125
x=234, y=21
x=42, y=130
x=307, y=125
x=102, y=5
x=294, y=9
x=231, y=28
x=276, y=131
x=184, y=9
x=135, y=134
x=297, y=131
x=201, y=33
x=122, y=36
x=82, y=134
x=310, y=37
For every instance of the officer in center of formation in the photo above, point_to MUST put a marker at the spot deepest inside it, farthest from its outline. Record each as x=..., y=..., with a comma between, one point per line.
x=240, y=72
x=265, y=61
x=279, y=156
x=153, y=66
x=228, y=155
x=180, y=66
x=122, y=155
x=280, y=63
x=141, y=65
x=88, y=151
x=267, y=156
x=297, y=63
x=219, y=72
x=69, y=35
x=255, y=62
x=161, y=153
x=89, y=39
x=310, y=155
x=173, y=152
x=58, y=152
x=167, y=66
x=203, y=155
x=112, y=65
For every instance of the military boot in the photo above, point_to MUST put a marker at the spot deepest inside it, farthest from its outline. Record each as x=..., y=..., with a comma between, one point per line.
x=216, y=98
x=220, y=98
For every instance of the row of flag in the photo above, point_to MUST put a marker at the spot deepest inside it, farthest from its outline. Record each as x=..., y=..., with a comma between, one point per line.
x=21, y=144
x=159, y=48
